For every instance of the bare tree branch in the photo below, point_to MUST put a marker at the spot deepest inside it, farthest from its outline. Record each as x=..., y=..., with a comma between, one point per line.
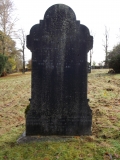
x=7, y=22
x=105, y=45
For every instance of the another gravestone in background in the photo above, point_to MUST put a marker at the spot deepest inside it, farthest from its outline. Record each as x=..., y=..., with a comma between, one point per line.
x=59, y=46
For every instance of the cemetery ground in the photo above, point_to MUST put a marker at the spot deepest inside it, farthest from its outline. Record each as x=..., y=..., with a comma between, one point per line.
x=103, y=144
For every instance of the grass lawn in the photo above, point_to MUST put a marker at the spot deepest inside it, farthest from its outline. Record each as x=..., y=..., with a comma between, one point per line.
x=104, y=144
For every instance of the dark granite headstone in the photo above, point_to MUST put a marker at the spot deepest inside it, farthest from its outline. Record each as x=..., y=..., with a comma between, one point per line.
x=59, y=46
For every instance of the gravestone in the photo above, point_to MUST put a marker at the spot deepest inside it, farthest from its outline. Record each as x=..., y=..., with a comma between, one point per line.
x=59, y=46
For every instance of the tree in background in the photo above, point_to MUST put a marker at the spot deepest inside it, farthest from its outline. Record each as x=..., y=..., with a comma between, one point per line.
x=14, y=63
x=10, y=65
x=105, y=45
x=91, y=51
x=6, y=16
x=9, y=46
x=114, y=59
x=14, y=58
x=94, y=63
x=21, y=37
x=29, y=65
x=7, y=32
x=3, y=60
x=6, y=22
x=114, y=52
x=18, y=60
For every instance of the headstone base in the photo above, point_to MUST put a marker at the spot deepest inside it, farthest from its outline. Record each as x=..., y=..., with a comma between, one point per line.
x=27, y=139
x=78, y=124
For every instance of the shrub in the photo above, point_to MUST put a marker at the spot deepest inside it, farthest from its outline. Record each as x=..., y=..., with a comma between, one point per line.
x=3, y=60
x=10, y=65
x=114, y=63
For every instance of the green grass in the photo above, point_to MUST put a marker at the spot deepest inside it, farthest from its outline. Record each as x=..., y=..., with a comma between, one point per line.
x=102, y=145
x=76, y=148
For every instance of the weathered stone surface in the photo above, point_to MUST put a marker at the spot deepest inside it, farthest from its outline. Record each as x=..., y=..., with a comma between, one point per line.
x=59, y=46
